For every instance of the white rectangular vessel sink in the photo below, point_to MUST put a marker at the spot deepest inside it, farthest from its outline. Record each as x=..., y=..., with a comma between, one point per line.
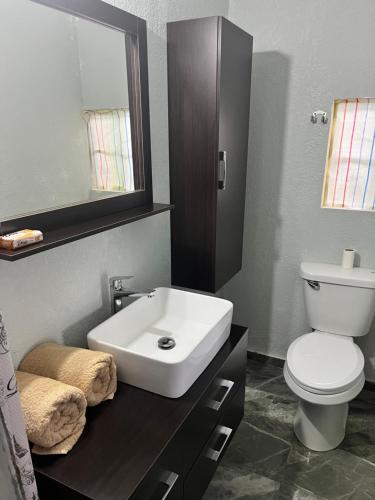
x=197, y=324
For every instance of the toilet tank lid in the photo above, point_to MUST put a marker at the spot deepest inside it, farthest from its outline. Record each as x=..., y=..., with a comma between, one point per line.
x=331, y=273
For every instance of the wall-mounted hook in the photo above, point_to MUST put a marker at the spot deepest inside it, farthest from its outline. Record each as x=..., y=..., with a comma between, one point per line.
x=322, y=114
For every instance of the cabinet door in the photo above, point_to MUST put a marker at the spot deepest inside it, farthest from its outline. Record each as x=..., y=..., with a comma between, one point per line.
x=192, y=80
x=234, y=103
x=49, y=488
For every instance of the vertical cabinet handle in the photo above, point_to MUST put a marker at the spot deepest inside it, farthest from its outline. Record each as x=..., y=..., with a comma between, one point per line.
x=227, y=384
x=222, y=175
x=213, y=454
x=168, y=478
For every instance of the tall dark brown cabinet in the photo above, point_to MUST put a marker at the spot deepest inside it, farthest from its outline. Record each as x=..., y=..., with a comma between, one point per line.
x=209, y=79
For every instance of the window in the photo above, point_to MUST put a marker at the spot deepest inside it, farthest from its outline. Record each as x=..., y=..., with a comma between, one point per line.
x=110, y=145
x=349, y=181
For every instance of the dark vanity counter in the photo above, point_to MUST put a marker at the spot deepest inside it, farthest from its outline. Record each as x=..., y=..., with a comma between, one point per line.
x=125, y=439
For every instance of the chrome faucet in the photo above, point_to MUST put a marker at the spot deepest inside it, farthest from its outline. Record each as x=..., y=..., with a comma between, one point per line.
x=118, y=292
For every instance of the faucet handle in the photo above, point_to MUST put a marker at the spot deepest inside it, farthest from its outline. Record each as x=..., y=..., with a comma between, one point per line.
x=116, y=282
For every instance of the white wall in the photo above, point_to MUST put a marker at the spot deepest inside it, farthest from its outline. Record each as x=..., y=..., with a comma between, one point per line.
x=305, y=55
x=62, y=293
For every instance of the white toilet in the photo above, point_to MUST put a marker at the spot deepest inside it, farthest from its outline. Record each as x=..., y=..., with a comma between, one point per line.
x=325, y=368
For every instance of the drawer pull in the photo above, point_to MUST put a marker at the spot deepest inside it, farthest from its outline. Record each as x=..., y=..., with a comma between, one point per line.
x=213, y=454
x=227, y=384
x=168, y=478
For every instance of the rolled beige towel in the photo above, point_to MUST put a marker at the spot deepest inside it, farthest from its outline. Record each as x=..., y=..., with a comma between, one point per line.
x=93, y=372
x=54, y=413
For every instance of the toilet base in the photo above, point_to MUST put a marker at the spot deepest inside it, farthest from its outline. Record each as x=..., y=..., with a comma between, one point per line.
x=320, y=427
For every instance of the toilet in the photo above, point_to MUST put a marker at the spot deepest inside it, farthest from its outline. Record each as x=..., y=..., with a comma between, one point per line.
x=324, y=368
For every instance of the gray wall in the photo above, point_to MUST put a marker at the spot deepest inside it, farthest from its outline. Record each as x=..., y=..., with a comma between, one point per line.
x=62, y=293
x=303, y=59
x=305, y=55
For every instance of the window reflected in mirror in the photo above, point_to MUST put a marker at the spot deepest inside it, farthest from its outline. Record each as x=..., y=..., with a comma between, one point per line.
x=110, y=150
x=67, y=130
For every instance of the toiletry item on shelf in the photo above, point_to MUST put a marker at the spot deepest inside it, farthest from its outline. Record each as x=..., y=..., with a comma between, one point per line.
x=54, y=413
x=20, y=239
x=348, y=258
x=93, y=372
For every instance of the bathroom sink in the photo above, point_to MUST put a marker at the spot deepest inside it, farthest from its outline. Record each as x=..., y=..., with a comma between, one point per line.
x=196, y=326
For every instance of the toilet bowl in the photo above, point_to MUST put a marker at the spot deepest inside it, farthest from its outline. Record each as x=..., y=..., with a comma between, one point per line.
x=324, y=368
x=326, y=372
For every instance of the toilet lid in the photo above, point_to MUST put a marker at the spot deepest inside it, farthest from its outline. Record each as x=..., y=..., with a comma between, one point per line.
x=325, y=363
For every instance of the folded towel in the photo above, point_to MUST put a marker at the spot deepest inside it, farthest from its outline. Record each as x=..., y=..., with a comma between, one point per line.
x=54, y=413
x=93, y=372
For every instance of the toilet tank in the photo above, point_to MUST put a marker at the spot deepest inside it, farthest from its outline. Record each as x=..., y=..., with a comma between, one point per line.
x=339, y=300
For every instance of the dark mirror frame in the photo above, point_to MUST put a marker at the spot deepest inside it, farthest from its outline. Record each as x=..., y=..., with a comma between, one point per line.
x=135, y=32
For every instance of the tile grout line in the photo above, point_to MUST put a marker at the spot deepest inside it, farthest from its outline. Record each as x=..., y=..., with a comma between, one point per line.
x=267, y=433
x=268, y=381
x=280, y=452
x=362, y=458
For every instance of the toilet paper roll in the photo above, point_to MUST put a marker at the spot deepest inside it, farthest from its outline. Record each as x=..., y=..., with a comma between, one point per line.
x=348, y=258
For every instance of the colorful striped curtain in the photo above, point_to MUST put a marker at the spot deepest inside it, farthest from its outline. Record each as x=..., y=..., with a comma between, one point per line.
x=110, y=149
x=349, y=181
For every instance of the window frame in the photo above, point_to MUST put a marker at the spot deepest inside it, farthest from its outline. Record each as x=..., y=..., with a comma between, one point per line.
x=345, y=138
x=135, y=31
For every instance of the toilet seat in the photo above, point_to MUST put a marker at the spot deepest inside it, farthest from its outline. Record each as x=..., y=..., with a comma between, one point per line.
x=324, y=399
x=325, y=363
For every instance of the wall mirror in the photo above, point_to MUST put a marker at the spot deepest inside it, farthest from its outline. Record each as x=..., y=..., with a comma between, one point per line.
x=74, y=127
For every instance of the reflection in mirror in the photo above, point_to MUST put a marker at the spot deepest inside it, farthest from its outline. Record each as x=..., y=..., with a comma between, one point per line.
x=65, y=126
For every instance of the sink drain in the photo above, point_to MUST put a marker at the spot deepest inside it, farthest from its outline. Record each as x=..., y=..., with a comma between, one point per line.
x=166, y=343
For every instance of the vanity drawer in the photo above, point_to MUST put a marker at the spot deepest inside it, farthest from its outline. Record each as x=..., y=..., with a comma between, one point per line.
x=165, y=485
x=213, y=404
x=203, y=470
x=165, y=480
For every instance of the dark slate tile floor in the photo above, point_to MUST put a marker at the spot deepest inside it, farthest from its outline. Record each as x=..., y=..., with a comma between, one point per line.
x=265, y=460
